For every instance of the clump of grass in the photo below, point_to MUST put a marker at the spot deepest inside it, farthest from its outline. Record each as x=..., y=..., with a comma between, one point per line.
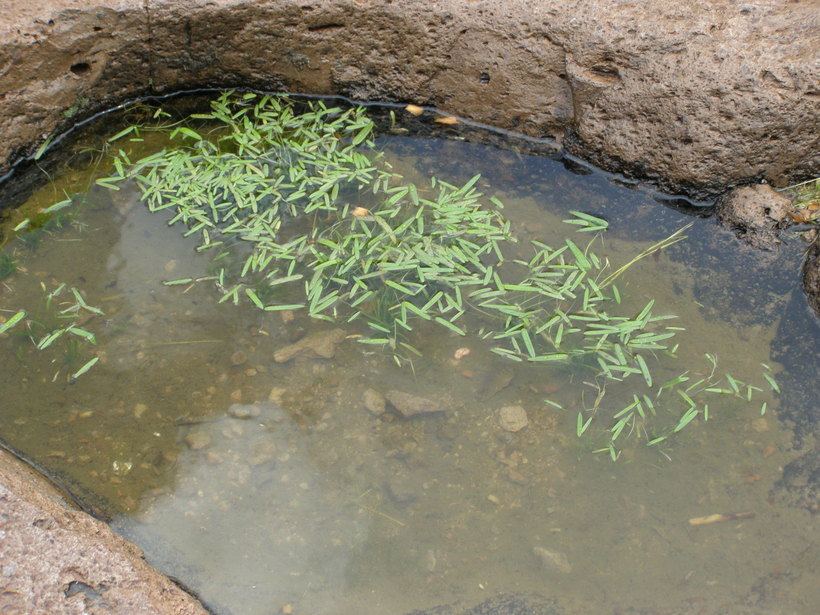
x=57, y=321
x=302, y=213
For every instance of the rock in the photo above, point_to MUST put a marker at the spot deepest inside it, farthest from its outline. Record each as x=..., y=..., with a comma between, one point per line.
x=262, y=452
x=811, y=276
x=51, y=552
x=552, y=561
x=697, y=95
x=321, y=345
x=374, y=402
x=755, y=212
x=409, y=406
x=244, y=411
x=197, y=440
x=238, y=358
x=401, y=490
x=513, y=418
x=496, y=381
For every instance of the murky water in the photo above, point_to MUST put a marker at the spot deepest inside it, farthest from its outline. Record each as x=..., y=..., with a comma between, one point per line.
x=269, y=487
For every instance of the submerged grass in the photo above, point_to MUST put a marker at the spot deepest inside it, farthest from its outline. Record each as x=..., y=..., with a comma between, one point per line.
x=300, y=212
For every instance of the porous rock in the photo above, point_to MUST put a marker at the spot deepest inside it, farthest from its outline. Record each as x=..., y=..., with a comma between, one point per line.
x=409, y=405
x=55, y=559
x=756, y=213
x=319, y=345
x=698, y=95
x=513, y=418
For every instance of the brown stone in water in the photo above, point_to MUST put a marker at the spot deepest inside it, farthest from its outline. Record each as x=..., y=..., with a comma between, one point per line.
x=238, y=358
x=755, y=212
x=321, y=345
x=409, y=405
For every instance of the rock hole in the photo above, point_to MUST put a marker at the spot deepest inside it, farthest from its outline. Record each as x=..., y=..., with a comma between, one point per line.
x=97, y=28
x=78, y=587
x=484, y=78
x=80, y=68
x=325, y=26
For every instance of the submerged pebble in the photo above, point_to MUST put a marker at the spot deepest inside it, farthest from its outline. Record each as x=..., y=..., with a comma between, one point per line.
x=513, y=418
x=553, y=561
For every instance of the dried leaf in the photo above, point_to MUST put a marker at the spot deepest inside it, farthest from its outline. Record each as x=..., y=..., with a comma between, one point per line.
x=360, y=211
x=414, y=109
x=447, y=119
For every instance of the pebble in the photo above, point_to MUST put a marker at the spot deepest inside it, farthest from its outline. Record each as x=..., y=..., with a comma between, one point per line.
x=197, y=441
x=374, y=402
x=244, y=411
x=411, y=405
x=552, y=561
x=139, y=410
x=513, y=418
x=238, y=358
x=760, y=425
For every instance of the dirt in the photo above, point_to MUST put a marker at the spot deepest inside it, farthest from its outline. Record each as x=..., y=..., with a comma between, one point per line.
x=695, y=97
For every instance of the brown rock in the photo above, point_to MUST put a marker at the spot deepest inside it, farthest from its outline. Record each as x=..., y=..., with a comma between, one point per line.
x=58, y=560
x=755, y=212
x=698, y=95
x=321, y=345
x=811, y=277
x=409, y=405
x=374, y=402
x=513, y=418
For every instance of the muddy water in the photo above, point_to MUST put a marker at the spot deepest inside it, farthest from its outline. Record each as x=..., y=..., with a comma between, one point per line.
x=269, y=487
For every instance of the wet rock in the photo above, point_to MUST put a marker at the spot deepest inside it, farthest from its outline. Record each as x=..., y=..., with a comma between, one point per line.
x=238, y=358
x=56, y=559
x=552, y=561
x=408, y=405
x=800, y=484
x=513, y=418
x=401, y=490
x=262, y=452
x=321, y=345
x=729, y=96
x=244, y=411
x=811, y=277
x=374, y=402
x=756, y=213
x=496, y=381
x=197, y=440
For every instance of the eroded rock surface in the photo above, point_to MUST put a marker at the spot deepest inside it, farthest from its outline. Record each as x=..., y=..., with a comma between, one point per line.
x=696, y=95
x=755, y=213
x=56, y=559
x=319, y=345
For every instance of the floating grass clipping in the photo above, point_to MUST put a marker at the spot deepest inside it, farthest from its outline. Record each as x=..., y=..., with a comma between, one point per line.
x=57, y=323
x=300, y=212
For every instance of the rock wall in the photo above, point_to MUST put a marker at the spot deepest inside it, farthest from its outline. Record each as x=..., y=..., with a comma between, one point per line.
x=695, y=95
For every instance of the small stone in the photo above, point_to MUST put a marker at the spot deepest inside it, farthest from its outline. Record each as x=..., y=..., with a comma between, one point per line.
x=320, y=345
x=760, y=425
x=139, y=410
x=276, y=394
x=552, y=561
x=374, y=402
x=262, y=452
x=400, y=491
x=238, y=358
x=492, y=499
x=197, y=441
x=513, y=418
x=244, y=411
x=236, y=395
x=516, y=477
x=411, y=405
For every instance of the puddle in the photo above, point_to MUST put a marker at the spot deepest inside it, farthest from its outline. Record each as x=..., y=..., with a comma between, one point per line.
x=287, y=487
